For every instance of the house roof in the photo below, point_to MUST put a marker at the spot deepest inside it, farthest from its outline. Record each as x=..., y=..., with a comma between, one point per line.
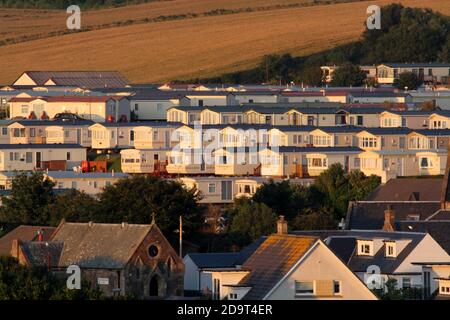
x=369, y=215
x=99, y=245
x=275, y=257
x=340, y=129
x=315, y=149
x=214, y=260
x=42, y=253
x=378, y=94
x=407, y=189
x=343, y=244
x=387, y=131
x=29, y=122
x=418, y=65
x=85, y=175
x=89, y=79
x=23, y=233
x=41, y=146
x=433, y=132
x=438, y=229
x=71, y=98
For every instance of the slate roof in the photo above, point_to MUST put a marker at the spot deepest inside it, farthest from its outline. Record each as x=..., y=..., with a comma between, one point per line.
x=88, y=79
x=99, y=245
x=343, y=244
x=438, y=229
x=214, y=260
x=23, y=233
x=433, y=132
x=369, y=215
x=43, y=253
x=408, y=189
x=388, y=131
x=275, y=257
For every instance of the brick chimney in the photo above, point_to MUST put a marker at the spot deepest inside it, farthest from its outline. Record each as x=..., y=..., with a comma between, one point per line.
x=40, y=235
x=282, y=227
x=389, y=219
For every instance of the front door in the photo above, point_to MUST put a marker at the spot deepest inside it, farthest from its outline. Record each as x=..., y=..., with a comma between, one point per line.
x=38, y=160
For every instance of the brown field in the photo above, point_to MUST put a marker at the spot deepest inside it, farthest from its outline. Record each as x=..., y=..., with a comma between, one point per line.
x=200, y=47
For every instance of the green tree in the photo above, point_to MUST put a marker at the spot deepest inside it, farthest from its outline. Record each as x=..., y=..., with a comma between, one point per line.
x=18, y=282
x=278, y=196
x=347, y=75
x=31, y=195
x=310, y=76
x=407, y=80
x=135, y=199
x=314, y=220
x=360, y=186
x=73, y=206
x=250, y=220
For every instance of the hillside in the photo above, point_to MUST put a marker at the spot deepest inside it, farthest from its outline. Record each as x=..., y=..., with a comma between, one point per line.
x=203, y=46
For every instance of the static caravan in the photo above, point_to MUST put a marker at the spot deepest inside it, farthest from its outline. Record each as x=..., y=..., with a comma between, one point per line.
x=69, y=132
x=154, y=135
x=184, y=114
x=109, y=135
x=40, y=156
x=143, y=160
x=190, y=161
x=236, y=161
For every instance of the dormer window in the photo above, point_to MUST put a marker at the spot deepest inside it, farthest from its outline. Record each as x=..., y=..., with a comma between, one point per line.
x=365, y=248
x=444, y=286
x=391, y=251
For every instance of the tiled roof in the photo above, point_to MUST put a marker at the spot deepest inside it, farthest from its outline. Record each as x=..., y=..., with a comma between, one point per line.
x=23, y=233
x=275, y=257
x=42, y=253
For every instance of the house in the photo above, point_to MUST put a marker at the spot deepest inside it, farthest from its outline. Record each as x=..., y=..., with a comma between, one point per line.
x=389, y=164
x=190, y=161
x=40, y=156
x=439, y=119
x=144, y=160
x=359, y=115
x=154, y=134
x=435, y=279
x=222, y=115
x=118, y=259
x=110, y=135
x=185, y=114
x=152, y=104
x=291, y=135
x=72, y=131
x=24, y=233
x=243, y=135
x=289, y=267
x=256, y=97
x=408, y=119
x=340, y=136
x=312, y=116
x=382, y=138
x=428, y=139
x=4, y=131
x=376, y=256
x=225, y=189
x=95, y=108
x=438, y=98
x=82, y=79
x=28, y=131
x=91, y=183
x=396, y=98
x=427, y=72
x=274, y=116
x=236, y=161
x=306, y=161
x=207, y=98
x=197, y=280
x=321, y=96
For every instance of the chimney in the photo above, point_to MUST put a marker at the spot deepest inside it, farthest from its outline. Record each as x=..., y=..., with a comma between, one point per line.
x=40, y=235
x=389, y=219
x=282, y=227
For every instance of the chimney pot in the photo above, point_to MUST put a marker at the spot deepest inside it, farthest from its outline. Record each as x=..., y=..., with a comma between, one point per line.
x=389, y=219
x=282, y=227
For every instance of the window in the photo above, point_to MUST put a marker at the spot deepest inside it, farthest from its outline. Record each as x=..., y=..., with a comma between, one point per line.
x=153, y=251
x=159, y=107
x=66, y=133
x=74, y=184
x=390, y=249
x=406, y=282
x=32, y=132
x=29, y=157
x=425, y=163
x=200, y=103
x=304, y=287
x=360, y=121
x=60, y=185
x=155, y=135
x=136, y=107
x=95, y=184
x=233, y=296
x=336, y=287
x=212, y=188
x=24, y=109
x=4, y=131
x=369, y=142
x=365, y=247
x=68, y=156
x=317, y=162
